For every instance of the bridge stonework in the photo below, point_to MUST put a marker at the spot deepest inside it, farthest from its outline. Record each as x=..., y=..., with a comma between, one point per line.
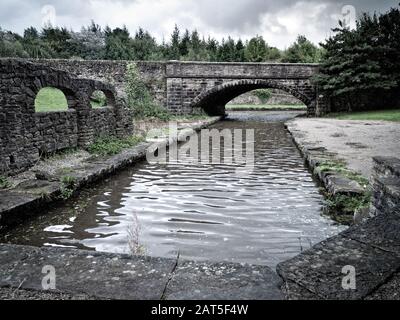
x=187, y=87
x=210, y=86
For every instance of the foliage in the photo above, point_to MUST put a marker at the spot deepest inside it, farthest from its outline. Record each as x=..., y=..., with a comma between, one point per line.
x=256, y=50
x=93, y=42
x=68, y=184
x=4, y=183
x=98, y=99
x=263, y=94
x=363, y=61
x=139, y=98
x=302, y=51
x=107, y=146
x=342, y=207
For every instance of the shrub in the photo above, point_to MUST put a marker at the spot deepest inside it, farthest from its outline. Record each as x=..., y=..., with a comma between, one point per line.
x=68, y=184
x=263, y=94
x=140, y=99
x=4, y=183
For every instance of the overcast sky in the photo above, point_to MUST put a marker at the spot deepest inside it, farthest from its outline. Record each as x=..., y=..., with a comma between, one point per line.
x=279, y=21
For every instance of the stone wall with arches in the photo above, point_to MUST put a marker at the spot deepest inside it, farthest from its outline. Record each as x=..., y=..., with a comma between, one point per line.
x=25, y=135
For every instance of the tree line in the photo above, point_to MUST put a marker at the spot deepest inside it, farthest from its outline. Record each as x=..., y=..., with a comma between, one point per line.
x=361, y=67
x=94, y=42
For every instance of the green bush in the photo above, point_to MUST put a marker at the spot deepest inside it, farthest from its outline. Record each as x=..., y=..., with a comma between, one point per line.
x=98, y=99
x=107, y=146
x=4, y=183
x=263, y=94
x=68, y=185
x=140, y=100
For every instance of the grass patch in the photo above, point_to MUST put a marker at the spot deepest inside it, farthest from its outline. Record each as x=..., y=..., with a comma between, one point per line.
x=107, y=146
x=342, y=207
x=383, y=115
x=265, y=107
x=50, y=99
x=4, y=183
x=340, y=167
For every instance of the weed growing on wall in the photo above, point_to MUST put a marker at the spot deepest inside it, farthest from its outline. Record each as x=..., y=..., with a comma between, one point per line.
x=68, y=184
x=140, y=100
x=4, y=183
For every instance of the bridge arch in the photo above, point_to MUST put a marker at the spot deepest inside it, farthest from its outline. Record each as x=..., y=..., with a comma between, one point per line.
x=213, y=101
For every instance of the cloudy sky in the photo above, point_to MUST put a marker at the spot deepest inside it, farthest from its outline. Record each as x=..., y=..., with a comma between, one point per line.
x=279, y=21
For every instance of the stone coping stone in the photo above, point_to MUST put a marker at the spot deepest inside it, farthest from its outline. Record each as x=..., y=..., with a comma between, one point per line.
x=372, y=248
x=338, y=184
x=222, y=281
x=382, y=232
x=107, y=276
x=118, y=276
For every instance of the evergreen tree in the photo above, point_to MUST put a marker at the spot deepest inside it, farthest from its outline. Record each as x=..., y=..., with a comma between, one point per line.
x=356, y=61
x=174, y=52
x=118, y=44
x=302, y=51
x=256, y=50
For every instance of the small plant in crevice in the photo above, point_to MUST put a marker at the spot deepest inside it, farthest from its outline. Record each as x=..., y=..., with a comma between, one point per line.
x=68, y=185
x=342, y=207
x=340, y=167
x=133, y=231
x=4, y=183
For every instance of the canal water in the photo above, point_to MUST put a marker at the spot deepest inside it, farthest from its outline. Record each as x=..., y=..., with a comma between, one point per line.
x=204, y=212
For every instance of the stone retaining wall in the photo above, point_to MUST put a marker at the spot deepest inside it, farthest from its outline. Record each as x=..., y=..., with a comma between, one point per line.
x=386, y=186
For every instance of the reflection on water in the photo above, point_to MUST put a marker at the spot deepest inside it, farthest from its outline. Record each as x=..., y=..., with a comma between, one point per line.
x=205, y=211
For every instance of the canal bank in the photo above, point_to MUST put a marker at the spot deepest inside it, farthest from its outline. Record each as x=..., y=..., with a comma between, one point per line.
x=312, y=274
x=362, y=262
x=263, y=217
x=35, y=189
x=276, y=202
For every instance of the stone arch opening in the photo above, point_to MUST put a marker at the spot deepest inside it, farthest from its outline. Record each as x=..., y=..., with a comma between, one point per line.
x=213, y=101
x=50, y=99
x=102, y=99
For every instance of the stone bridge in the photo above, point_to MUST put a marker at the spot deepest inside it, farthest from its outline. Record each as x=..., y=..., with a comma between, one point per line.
x=210, y=86
x=186, y=87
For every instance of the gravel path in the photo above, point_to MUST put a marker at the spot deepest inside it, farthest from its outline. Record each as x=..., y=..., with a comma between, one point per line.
x=356, y=142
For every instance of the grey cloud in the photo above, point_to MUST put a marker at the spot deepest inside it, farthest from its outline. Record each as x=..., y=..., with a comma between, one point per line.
x=236, y=17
